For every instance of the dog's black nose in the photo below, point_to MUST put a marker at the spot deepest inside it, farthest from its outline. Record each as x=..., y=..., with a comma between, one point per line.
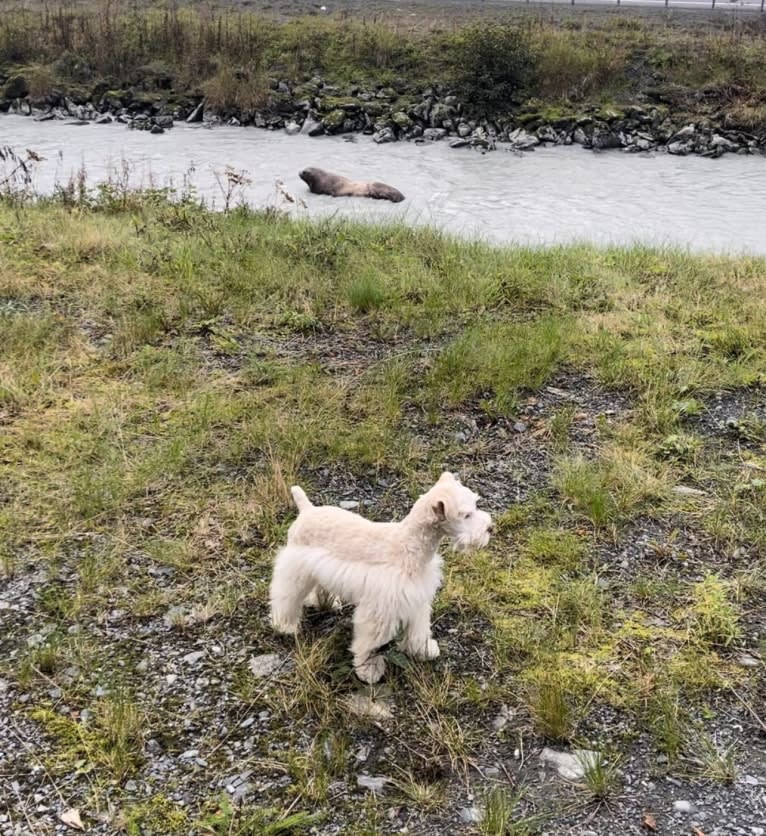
x=491, y=528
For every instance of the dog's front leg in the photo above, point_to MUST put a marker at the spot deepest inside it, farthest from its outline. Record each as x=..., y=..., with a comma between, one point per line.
x=417, y=639
x=371, y=631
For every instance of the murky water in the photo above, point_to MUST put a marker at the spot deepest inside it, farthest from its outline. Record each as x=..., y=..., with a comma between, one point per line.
x=551, y=195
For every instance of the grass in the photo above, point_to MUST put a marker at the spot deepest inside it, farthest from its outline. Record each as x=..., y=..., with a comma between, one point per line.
x=163, y=386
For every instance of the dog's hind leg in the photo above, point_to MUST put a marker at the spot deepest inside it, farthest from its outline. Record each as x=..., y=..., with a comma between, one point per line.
x=290, y=585
x=370, y=633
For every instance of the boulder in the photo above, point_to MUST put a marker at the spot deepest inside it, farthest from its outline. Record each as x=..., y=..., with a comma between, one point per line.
x=16, y=88
x=434, y=134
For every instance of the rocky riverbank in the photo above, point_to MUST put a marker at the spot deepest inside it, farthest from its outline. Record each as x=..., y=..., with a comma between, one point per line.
x=389, y=114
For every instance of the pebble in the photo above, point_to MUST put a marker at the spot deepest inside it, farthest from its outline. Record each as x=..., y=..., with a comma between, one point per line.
x=348, y=504
x=193, y=658
x=374, y=783
x=684, y=807
x=265, y=664
x=570, y=765
x=470, y=815
x=364, y=706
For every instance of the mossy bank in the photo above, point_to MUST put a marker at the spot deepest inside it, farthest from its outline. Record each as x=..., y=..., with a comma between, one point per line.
x=611, y=82
x=166, y=373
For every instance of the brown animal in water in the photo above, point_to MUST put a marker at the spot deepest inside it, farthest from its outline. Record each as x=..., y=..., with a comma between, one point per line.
x=323, y=182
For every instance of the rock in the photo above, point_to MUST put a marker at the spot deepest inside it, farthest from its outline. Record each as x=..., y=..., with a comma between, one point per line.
x=570, y=765
x=521, y=139
x=684, y=490
x=460, y=143
x=686, y=133
x=292, y=128
x=364, y=706
x=580, y=137
x=165, y=121
x=384, y=135
x=548, y=134
x=348, y=504
x=156, y=129
x=197, y=114
x=311, y=127
x=374, y=783
x=194, y=657
x=684, y=807
x=471, y=815
x=464, y=130
x=505, y=715
x=440, y=113
x=434, y=134
x=334, y=120
x=265, y=665
x=401, y=120
x=721, y=142
x=679, y=149
x=519, y=427
x=16, y=88
x=104, y=119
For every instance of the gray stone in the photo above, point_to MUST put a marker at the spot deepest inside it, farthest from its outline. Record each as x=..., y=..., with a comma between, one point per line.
x=434, y=134
x=197, y=114
x=374, y=783
x=265, y=664
x=348, y=504
x=684, y=807
x=383, y=136
x=311, y=127
x=471, y=815
x=521, y=139
x=570, y=765
x=194, y=657
x=292, y=128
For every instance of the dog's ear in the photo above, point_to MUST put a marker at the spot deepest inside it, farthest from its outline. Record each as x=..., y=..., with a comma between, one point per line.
x=447, y=477
x=439, y=510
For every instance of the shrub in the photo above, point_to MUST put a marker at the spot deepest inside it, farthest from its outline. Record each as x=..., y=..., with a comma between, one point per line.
x=492, y=65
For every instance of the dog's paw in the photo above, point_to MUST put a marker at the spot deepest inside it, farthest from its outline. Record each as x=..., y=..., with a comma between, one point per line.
x=288, y=628
x=428, y=649
x=371, y=670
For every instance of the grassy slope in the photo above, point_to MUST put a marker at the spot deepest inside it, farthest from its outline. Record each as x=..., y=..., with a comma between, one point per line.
x=166, y=373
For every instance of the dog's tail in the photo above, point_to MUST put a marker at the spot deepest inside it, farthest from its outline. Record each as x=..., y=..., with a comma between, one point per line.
x=300, y=499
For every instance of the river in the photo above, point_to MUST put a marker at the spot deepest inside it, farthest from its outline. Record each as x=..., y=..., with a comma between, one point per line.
x=548, y=196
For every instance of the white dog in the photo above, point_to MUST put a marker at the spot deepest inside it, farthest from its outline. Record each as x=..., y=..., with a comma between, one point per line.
x=389, y=571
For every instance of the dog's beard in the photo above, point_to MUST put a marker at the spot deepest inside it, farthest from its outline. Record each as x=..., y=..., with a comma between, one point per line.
x=466, y=544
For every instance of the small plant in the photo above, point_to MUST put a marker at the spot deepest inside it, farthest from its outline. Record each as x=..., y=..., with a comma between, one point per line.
x=365, y=294
x=560, y=425
x=679, y=446
x=234, y=819
x=551, y=708
x=668, y=724
x=500, y=815
x=586, y=486
x=711, y=761
x=601, y=774
x=713, y=618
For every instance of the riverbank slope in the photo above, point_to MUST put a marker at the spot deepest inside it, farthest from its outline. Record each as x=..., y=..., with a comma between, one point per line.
x=691, y=85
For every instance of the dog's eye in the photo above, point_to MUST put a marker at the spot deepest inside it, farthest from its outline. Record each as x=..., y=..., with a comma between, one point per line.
x=468, y=514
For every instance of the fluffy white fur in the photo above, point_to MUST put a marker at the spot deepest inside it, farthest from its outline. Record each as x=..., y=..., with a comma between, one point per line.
x=389, y=571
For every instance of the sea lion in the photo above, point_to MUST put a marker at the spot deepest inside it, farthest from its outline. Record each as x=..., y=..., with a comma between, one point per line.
x=323, y=182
